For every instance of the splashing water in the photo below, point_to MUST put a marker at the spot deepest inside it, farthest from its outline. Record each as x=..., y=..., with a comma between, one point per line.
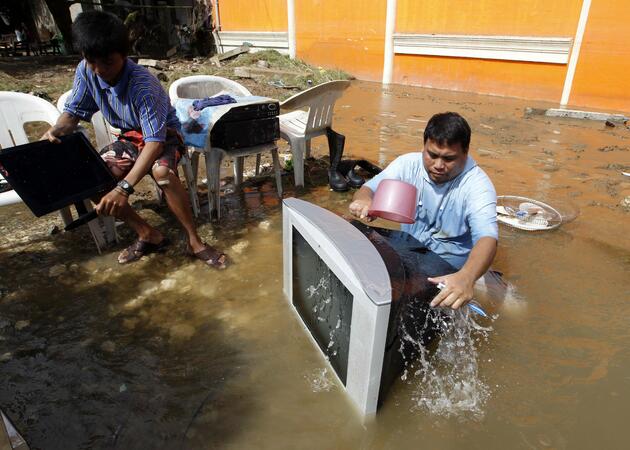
x=448, y=380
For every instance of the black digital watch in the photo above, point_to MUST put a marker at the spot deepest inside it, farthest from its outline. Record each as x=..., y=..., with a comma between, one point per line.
x=125, y=186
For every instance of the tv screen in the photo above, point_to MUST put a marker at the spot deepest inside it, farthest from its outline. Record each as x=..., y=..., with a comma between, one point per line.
x=323, y=303
x=51, y=176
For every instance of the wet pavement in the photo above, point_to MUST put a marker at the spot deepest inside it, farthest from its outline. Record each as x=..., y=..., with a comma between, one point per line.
x=168, y=354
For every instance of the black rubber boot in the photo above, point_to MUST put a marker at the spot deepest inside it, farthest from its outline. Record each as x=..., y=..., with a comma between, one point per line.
x=346, y=168
x=336, y=143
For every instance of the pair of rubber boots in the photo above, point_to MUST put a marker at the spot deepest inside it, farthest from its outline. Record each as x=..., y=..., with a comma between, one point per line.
x=341, y=174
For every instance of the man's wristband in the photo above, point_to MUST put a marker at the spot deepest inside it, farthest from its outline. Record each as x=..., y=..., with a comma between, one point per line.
x=125, y=186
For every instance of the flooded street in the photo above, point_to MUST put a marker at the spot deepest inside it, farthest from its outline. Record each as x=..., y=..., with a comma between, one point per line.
x=165, y=353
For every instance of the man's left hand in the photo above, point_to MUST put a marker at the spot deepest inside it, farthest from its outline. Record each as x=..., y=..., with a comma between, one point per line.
x=112, y=203
x=458, y=290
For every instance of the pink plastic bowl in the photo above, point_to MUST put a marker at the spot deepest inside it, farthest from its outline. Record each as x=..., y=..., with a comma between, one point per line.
x=395, y=200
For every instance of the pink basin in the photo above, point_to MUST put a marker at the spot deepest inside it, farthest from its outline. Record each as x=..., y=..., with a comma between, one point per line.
x=395, y=200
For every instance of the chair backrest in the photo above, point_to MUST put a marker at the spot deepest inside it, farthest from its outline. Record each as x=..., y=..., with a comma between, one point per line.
x=202, y=86
x=16, y=109
x=102, y=129
x=320, y=101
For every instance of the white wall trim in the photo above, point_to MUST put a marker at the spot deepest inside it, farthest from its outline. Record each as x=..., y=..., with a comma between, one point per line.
x=575, y=54
x=260, y=40
x=390, y=25
x=513, y=48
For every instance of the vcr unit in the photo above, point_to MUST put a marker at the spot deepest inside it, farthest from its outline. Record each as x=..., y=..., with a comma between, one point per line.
x=246, y=126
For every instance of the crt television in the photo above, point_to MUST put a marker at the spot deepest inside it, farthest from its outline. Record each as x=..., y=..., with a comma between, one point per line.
x=354, y=288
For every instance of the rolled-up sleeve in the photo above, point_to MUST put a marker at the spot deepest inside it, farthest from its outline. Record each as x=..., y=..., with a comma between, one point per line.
x=80, y=102
x=153, y=115
x=394, y=171
x=481, y=211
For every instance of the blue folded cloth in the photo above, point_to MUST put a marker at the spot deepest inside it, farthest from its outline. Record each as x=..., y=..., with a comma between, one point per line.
x=198, y=105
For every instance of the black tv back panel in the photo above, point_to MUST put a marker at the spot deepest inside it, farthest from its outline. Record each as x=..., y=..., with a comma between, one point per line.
x=251, y=112
x=51, y=176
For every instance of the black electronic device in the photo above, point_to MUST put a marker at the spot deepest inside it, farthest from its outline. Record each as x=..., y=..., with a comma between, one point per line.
x=50, y=176
x=245, y=133
x=253, y=111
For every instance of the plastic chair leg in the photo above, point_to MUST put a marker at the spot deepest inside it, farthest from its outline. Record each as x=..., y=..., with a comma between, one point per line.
x=238, y=170
x=298, y=148
x=66, y=215
x=277, y=170
x=307, y=152
x=213, y=173
x=190, y=186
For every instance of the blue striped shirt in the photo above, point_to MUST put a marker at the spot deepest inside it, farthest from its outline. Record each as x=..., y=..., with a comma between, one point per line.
x=450, y=217
x=137, y=102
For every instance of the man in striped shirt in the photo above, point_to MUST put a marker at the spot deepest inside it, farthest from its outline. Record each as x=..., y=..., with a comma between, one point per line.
x=132, y=100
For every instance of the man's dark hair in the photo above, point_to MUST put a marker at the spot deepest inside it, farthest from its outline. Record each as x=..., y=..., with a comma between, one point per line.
x=98, y=34
x=447, y=129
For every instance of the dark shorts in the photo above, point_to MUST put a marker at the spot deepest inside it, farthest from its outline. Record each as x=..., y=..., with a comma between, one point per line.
x=122, y=154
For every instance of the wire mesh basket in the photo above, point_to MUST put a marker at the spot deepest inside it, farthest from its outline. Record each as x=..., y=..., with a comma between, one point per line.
x=527, y=214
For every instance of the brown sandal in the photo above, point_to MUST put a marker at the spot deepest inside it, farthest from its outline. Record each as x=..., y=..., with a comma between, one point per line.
x=141, y=248
x=212, y=257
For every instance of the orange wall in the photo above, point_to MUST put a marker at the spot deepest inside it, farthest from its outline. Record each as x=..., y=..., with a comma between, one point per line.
x=488, y=17
x=494, y=17
x=348, y=35
x=253, y=15
x=601, y=76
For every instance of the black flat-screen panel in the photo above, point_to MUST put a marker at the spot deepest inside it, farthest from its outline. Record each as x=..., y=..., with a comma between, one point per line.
x=324, y=304
x=51, y=176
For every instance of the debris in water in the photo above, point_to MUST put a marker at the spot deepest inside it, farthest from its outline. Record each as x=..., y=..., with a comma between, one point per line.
x=108, y=346
x=20, y=324
x=56, y=270
x=319, y=380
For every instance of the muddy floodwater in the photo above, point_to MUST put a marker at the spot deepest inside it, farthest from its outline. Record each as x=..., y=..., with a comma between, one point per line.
x=165, y=353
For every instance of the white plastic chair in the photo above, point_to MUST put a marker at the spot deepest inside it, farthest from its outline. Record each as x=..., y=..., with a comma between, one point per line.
x=104, y=134
x=311, y=114
x=17, y=109
x=201, y=86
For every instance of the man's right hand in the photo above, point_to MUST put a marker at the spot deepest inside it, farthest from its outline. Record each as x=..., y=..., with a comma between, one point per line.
x=359, y=208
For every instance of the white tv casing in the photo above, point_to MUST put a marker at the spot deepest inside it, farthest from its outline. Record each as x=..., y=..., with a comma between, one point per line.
x=358, y=265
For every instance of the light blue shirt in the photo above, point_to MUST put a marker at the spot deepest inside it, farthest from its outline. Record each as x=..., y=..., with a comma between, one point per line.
x=450, y=217
x=137, y=102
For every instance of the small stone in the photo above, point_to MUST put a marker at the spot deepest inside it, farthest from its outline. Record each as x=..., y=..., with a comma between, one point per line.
x=262, y=63
x=625, y=203
x=6, y=357
x=20, y=324
x=54, y=229
x=108, y=346
x=168, y=284
x=610, y=124
x=122, y=388
x=240, y=246
x=264, y=225
x=56, y=270
x=162, y=76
